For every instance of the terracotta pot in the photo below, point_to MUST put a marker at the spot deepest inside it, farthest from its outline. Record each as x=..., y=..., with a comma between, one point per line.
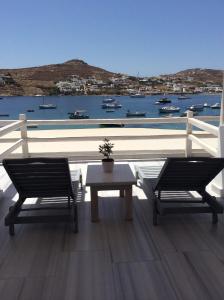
x=108, y=165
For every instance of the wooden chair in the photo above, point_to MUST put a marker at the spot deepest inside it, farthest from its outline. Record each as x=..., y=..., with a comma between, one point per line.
x=184, y=174
x=41, y=177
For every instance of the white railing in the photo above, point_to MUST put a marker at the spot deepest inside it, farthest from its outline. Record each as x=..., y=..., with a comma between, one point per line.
x=213, y=130
x=189, y=135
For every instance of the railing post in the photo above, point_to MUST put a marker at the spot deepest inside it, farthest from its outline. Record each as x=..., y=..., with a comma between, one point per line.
x=217, y=184
x=23, y=131
x=188, y=146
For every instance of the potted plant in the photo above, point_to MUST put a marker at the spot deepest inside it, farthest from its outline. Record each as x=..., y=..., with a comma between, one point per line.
x=106, y=150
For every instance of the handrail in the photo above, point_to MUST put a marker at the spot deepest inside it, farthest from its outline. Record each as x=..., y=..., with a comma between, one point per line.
x=11, y=149
x=204, y=126
x=118, y=121
x=211, y=150
x=25, y=139
x=11, y=127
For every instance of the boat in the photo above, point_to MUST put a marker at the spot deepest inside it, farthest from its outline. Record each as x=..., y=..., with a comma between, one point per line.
x=4, y=115
x=206, y=105
x=78, y=114
x=184, y=114
x=135, y=114
x=196, y=107
x=1, y=98
x=183, y=97
x=109, y=100
x=216, y=106
x=137, y=95
x=169, y=109
x=30, y=110
x=163, y=100
x=47, y=106
x=111, y=105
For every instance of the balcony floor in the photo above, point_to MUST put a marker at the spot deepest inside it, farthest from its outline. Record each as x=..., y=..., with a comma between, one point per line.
x=182, y=258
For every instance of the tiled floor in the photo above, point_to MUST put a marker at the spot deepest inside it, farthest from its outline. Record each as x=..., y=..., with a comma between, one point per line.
x=181, y=258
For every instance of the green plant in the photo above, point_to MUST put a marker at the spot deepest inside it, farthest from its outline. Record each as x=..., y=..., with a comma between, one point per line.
x=106, y=148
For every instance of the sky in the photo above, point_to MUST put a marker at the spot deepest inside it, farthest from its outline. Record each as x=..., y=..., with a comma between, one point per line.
x=141, y=37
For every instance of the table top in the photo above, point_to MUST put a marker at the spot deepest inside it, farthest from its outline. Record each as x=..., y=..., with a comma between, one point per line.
x=121, y=175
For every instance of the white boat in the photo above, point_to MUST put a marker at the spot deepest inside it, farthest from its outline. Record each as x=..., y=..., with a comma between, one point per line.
x=196, y=107
x=206, y=105
x=78, y=114
x=137, y=95
x=216, y=106
x=111, y=105
x=163, y=100
x=47, y=106
x=169, y=109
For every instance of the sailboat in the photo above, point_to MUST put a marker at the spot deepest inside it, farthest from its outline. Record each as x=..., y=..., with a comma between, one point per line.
x=47, y=106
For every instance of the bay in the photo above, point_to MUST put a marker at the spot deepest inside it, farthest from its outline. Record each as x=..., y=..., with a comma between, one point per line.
x=92, y=104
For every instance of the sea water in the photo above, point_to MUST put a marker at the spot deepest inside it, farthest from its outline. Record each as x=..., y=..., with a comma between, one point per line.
x=92, y=105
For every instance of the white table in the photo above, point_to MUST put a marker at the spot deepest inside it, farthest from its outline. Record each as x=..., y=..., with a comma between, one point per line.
x=120, y=179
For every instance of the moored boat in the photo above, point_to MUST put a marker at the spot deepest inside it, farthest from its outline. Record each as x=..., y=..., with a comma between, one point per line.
x=196, y=107
x=169, y=109
x=216, y=106
x=137, y=95
x=111, y=105
x=163, y=100
x=47, y=106
x=78, y=114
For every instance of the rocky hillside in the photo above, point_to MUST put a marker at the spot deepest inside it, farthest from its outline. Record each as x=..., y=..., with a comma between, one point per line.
x=40, y=80
x=202, y=75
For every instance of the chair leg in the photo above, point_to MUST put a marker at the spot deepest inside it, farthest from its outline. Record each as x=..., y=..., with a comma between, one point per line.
x=154, y=213
x=214, y=218
x=11, y=229
x=75, y=218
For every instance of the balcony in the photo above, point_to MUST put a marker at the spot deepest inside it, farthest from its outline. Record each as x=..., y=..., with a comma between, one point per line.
x=181, y=258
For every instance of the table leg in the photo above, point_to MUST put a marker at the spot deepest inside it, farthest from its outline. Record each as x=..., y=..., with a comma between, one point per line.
x=94, y=205
x=128, y=203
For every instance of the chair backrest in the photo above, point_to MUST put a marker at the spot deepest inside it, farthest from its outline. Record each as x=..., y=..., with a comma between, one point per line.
x=40, y=177
x=193, y=173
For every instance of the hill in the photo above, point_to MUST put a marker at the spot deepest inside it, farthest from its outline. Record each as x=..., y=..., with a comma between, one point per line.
x=40, y=80
x=202, y=75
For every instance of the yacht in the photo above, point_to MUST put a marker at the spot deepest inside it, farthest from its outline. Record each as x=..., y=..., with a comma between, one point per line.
x=216, y=106
x=47, y=106
x=169, y=109
x=111, y=105
x=206, y=105
x=137, y=95
x=196, y=107
x=163, y=100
